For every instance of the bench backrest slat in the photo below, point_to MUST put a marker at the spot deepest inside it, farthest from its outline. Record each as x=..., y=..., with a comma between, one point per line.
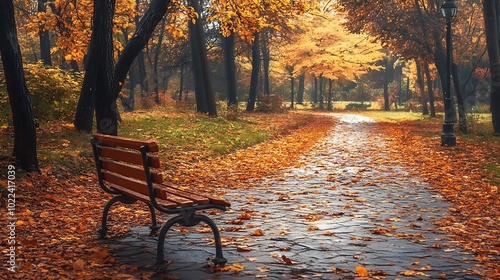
x=127, y=156
x=136, y=172
x=130, y=183
x=125, y=142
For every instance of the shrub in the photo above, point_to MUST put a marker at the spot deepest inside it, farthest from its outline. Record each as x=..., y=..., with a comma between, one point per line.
x=270, y=103
x=357, y=106
x=54, y=92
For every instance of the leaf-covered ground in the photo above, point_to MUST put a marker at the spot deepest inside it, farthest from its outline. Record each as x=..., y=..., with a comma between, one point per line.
x=58, y=210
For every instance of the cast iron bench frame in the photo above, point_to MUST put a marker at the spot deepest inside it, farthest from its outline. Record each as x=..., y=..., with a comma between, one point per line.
x=129, y=169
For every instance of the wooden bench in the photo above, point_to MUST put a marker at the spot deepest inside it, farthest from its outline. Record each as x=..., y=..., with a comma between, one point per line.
x=129, y=169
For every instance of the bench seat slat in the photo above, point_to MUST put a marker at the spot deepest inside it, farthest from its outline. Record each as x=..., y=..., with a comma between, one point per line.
x=125, y=142
x=130, y=170
x=212, y=199
x=144, y=198
x=196, y=198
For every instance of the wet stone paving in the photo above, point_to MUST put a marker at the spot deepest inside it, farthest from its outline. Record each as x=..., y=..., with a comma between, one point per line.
x=345, y=211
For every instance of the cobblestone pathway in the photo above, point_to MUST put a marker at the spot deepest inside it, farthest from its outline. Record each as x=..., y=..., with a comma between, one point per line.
x=345, y=206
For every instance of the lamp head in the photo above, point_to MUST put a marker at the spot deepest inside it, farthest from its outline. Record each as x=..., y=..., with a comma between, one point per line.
x=449, y=9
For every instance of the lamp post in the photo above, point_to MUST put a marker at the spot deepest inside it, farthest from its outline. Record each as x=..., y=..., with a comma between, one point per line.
x=448, y=10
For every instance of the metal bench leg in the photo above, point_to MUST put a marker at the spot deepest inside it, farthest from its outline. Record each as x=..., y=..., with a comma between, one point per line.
x=161, y=237
x=104, y=229
x=194, y=220
x=219, y=258
x=154, y=226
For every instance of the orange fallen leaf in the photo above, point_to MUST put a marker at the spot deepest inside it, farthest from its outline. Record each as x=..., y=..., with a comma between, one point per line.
x=243, y=248
x=78, y=265
x=257, y=232
x=362, y=271
x=286, y=260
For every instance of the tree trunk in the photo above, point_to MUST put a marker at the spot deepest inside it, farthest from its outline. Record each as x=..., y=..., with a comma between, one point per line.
x=330, y=95
x=231, y=87
x=266, y=57
x=44, y=37
x=321, y=93
x=24, y=126
x=202, y=49
x=292, y=84
x=84, y=115
x=155, y=63
x=462, y=117
x=491, y=10
x=254, y=80
x=420, y=82
x=430, y=89
x=387, y=105
x=181, y=82
x=300, y=94
x=105, y=102
x=199, y=86
x=147, y=24
x=315, y=92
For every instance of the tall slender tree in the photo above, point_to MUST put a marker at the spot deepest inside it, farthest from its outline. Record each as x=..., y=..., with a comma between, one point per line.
x=491, y=10
x=24, y=126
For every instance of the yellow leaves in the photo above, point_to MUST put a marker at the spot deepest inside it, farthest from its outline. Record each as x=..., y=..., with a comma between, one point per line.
x=234, y=267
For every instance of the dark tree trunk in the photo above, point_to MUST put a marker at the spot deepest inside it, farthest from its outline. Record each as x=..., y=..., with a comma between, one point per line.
x=156, y=59
x=388, y=69
x=266, y=57
x=430, y=90
x=24, y=126
x=254, y=80
x=315, y=91
x=146, y=26
x=44, y=37
x=491, y=10
x=181, y=83
x=102, y=35
x=300, y=94
x=202, y=49
x=143, y=78
x=199, y=86
x=330, y=95
x=231, y=87
x=321, y=92
x=292, y=95
x=462, y=117
x=84, y=116
x=420, y=82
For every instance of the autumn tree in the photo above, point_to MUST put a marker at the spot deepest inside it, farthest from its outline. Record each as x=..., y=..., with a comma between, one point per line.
x=327, y=51
x=24, y=126
x=415, y=30
x=491, y=11
x=108, y=121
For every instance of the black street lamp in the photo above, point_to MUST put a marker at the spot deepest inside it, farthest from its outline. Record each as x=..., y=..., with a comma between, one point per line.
x=448, y=10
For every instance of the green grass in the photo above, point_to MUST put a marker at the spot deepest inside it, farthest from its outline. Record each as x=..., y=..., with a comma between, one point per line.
x=194, y=133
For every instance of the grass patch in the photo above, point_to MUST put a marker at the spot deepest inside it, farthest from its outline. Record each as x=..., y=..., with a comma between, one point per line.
x=193, y=133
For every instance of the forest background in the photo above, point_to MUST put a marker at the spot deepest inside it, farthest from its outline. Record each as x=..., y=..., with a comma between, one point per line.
x=79, y=66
